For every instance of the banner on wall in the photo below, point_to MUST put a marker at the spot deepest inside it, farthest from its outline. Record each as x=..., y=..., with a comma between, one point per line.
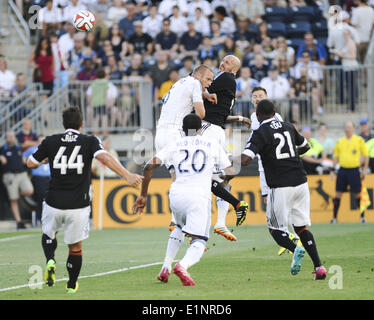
x=118, y=199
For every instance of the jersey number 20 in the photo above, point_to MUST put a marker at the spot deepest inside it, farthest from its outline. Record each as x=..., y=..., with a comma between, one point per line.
x=194, y=156
x=75, y=160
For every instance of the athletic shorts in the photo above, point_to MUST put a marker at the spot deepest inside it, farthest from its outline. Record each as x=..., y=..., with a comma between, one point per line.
x=74, y=222
x=16, y=183
x=348, y=177
x=288, y=204
x=100, y=111
x=192, y=212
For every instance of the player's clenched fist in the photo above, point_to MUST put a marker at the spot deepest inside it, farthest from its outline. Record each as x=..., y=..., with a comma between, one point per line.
x=134, y=179
x=139, y=204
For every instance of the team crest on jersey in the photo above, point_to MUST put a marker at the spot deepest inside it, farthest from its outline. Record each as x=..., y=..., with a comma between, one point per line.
x=275, y=125
x=70, y=137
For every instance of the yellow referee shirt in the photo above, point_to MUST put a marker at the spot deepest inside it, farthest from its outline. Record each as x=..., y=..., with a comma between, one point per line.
x=350, y=151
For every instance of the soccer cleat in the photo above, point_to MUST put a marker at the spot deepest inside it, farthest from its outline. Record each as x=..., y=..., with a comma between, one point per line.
x=223, y=231
x=171, y=226
x=293, y=238
x=72, y=290
x=296, y=260
x=320, y=273
x=333, y=220
x=164, y=275
x=182, y=274
x=50, y=273
x=281, y=251
x=241, y=212
x=363, y=220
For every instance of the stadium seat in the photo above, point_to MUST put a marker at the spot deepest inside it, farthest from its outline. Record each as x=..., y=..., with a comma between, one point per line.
x=297, y=29
x=322, y=41
x=276, y=14
x=277, y=29
x=295, y=43
x=320, y=29
x=302, y=13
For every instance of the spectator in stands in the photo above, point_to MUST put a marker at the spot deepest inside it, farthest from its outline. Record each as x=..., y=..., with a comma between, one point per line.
x=116, y=12
x=284, y=51
x=140, y=42
x=136, y=70
x=113, y=69
x=190, y=40
x=152, y=24
x=256, y=49
x=20, y=85
x=314, y=71
x=327, y=142
x=314, y=157
x=50, y=17
x=7, y=78
x=370, y=146
x=242, y=36
x=97, y=167
x=165, y=86
x=42, y=59
x=15, y=177
x=166, y=7
x=212, y=64
x=365, y=129
x=207, y=50
x=217, y=36
x=363, y=21
x=40, y=179
x=71, y=9
x=26, y=137
x=253, y=10
x=88, y=71
x=126, y=105
x=297, y=3
x=115, y=35
x=106, y=52
x=227, y=23
x=101, y=29
x=187, y=68
x=64, y=44
x=201, y=22
x=277, y=87
x=178, y=22
x=263, y=32
x=127, y=24
x=203, y=4
x=75, y=56
x=167, y=40
x=317, y=51
x=259, y=68
x=100, y=6
x=283, y=67
x=159, y=72
x=244, y=86
x=230, y=48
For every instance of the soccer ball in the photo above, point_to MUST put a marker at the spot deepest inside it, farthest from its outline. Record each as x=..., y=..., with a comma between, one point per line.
x=84, y=20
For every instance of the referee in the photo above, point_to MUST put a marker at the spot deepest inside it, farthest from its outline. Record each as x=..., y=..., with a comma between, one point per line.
x=348, y=152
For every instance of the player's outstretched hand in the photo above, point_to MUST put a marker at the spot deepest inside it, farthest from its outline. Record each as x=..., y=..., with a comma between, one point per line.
x=139, y=205
x=134, y=179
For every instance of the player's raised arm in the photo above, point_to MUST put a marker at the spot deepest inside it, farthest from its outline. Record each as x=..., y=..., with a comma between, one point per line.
x=199, y=109
x=113, y=164
x=247, y=121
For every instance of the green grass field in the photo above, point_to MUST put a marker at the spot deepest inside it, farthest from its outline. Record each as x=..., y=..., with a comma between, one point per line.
x=123, y=264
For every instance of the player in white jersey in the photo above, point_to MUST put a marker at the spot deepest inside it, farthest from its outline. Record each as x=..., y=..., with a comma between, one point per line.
x=258, y=94
x=194, y=158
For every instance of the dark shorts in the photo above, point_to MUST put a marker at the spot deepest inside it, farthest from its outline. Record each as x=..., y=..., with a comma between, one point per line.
x=100, y=111
x=48, y=86
x=348, y=177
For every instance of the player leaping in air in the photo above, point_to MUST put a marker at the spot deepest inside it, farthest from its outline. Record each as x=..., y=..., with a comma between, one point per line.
x=67, y=205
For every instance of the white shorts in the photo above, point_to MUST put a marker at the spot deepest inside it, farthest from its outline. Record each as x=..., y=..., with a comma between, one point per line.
x=192, y=212
x=263, y=184
x=74, y=222
x=288, y=203
x=213, y=131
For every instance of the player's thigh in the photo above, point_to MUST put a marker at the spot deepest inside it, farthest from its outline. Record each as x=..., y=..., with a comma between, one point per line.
x=341, y=181
x=198, y=218
x=263, y=185
x=77, y=225
x=278, y=208
x=300, y=212
x=11, y=185
x=52, y=220
x=178, y=207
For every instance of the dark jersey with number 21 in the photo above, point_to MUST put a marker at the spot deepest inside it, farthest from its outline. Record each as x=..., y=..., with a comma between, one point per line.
x=276, y=142
x=70, y=157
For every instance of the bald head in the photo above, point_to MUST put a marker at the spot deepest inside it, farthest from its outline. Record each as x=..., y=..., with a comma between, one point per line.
x=349, y=128
x=230, y=64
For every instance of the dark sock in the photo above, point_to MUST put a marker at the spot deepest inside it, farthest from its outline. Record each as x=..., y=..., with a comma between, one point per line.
x=49, y=247
x=219, y=191
x=336, y=202
x=307, y=239
x=73, y=265
x=282, y=239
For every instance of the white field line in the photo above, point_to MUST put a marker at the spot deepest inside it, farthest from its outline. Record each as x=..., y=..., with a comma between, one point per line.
x=88, y=276
x=18, y=237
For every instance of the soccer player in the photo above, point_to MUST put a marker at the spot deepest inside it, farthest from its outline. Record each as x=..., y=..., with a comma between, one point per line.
x=219, y=100
x=258, y=94
x=194, y=157
x=67, y=205
x=279, y=145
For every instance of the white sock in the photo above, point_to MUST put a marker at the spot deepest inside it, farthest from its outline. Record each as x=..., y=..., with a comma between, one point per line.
x=193, y=254
x=223, y=208
x=175, y=241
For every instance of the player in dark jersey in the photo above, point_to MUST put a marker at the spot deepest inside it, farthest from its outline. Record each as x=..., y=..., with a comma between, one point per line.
x=279, y=145
x=219, y=100
x=67, y=204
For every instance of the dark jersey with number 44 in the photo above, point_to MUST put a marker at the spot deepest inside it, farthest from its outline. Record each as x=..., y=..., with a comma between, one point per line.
x=276, y=143
x=70, y=157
